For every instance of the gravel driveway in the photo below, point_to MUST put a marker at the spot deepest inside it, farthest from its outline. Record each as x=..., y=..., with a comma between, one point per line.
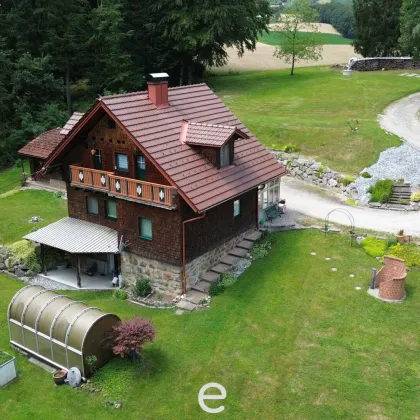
x=402, y=119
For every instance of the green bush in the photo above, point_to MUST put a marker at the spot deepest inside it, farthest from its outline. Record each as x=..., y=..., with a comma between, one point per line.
x=347, y=180
x=216, y=288
x=381, y=191
x=24, y=252
x=410, y=253
x=366, y=174
x=321, y=171
x=53, y=257
x=374, y=247
x=290, y=148
x=415, y=197
x=120, y=294
x=228, y=279
x=142, y=288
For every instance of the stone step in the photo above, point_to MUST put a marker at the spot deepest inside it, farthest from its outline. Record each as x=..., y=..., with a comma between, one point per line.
x=229, y=259
x=245, y=244
x=210, y=276
x=187, y=306
x=254, y=236
x=202, y=287
x=238, y=252
x=220, y=268
x=194, y=297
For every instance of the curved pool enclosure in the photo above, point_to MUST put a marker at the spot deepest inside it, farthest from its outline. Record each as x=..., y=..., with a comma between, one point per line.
x=58, y=329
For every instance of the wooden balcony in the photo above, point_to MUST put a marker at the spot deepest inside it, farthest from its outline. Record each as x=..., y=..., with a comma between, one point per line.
x=125, y=188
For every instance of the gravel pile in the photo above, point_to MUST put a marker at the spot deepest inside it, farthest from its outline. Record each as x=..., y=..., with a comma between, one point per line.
x=402, y=162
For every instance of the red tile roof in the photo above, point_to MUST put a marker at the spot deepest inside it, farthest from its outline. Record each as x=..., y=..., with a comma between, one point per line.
x=73, y=120
x=42, y=146
x=158, y=132
x=197, y=134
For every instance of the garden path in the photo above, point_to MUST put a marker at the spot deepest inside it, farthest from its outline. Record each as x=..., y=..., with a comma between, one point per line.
x=402, y=118
x=304, y=199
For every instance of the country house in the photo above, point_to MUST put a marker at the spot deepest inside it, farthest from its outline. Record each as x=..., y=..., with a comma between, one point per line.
x=160, y=184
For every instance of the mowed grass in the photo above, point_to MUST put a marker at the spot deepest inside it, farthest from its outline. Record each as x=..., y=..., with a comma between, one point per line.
x=277, y=37
x=10, y=178
x=313, y=108
x=17, y=208
x=291, y=339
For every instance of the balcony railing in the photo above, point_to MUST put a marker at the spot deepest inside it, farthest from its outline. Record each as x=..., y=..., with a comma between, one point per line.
x=122, y=187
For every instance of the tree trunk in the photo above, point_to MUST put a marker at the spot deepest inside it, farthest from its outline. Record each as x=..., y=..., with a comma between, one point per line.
x=293, y=65
x=68, y=93
x=181, y=76
x=79, y=279
x=190, y=70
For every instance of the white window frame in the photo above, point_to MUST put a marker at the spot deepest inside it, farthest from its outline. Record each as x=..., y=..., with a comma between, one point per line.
x=237, y=208
x=269, y=195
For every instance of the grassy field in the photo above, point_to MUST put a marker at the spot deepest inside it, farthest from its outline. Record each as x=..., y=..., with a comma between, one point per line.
x=17, y=208
x=291, y=339
x=277, y=37
x=10, y=178
x=312, y=110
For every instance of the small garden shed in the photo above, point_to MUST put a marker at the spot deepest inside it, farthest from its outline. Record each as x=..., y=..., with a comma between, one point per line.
x=59, y=330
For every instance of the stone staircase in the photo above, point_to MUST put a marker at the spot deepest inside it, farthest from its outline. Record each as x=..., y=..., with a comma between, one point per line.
x=401, y=193
x=200, y=290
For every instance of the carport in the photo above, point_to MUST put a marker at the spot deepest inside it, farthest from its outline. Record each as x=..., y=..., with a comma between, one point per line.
x=59, y=330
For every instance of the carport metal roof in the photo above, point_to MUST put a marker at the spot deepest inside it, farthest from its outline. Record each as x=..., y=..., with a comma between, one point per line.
x=77, y=236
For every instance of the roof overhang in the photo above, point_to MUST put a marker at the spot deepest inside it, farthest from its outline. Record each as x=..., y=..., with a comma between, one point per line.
x=77, y=236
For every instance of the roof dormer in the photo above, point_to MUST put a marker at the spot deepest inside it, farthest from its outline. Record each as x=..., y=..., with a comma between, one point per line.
x=215, y=142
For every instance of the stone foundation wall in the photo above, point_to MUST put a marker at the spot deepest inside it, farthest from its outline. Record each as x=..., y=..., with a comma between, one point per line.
x=163, y=277
x=167, y=278
x=197, y=267
x=387, y=63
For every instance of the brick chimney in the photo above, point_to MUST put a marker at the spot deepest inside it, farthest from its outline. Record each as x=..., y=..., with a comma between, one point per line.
x=157, y=87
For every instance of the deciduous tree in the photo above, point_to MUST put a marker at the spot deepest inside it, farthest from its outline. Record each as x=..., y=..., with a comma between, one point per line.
x=298, y=16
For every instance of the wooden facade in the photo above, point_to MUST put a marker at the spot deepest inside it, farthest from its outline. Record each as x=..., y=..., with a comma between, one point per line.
x=86, y=179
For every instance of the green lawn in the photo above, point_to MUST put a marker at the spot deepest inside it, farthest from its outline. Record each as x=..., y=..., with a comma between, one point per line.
x=277, y=37
x=18, y=208
x=10, y=178
x=312, y=110
x=291, y=339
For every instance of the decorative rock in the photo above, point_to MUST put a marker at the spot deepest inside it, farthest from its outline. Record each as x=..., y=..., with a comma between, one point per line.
x=19, y=272
x=328, y=259
x=357, y=287
x=2, y=266
x=313, y=253
x=333, y=269
x=351, y=275
x=7, y=263
x=332, y=182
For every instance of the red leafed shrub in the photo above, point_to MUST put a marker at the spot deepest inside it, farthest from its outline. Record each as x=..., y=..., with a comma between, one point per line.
x=129, y=337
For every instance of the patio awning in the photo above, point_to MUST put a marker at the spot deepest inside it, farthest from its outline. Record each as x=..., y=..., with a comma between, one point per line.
x=77, y=236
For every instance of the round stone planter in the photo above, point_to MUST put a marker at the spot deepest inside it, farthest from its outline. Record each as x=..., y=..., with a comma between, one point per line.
x=347, y=72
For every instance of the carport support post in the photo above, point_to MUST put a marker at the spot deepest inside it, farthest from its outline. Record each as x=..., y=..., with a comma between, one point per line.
x=43, y=266
x=79, y=279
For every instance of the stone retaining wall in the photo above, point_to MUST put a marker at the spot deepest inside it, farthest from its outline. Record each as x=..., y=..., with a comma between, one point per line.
x=168, y=278
x=310, y=170
x=387, y=63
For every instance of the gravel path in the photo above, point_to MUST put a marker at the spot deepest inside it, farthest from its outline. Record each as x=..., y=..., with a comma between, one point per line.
x=50, y=284
x=401, y=118
x=395, y=163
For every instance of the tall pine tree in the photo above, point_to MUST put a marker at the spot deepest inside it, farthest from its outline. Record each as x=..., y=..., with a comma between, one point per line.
x=377, y=27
